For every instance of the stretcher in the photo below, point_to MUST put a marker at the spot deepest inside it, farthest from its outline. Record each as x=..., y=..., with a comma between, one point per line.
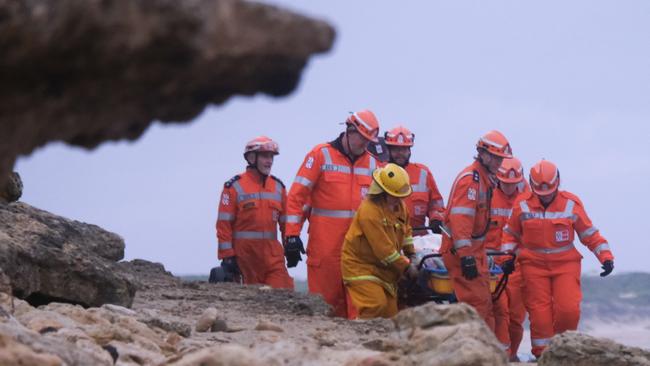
x=433, y=283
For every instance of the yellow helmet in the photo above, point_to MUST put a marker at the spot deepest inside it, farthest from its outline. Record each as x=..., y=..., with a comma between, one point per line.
x=392, y=179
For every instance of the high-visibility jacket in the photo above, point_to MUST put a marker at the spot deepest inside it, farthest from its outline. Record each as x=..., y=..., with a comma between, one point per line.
x=251, y=209
x=467, y=214
x=328, y=189
x=547, y=234
x=426, y=200
x=500, y=211
x=376, y=244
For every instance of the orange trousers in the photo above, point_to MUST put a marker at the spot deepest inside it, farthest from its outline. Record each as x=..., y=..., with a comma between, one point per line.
x=324, y=278
x=324, y=261
x=516, y=310
x=502, y=320
x=370, y=300
x=475, y=292
x=552, y=297
x=262, y=262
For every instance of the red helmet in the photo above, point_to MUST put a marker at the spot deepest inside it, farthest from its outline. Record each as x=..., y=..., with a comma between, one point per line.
x=262, y=144
x=399, y=136
x=511, y=171
x=495, y=143
x=366, y=123
x=544, y=178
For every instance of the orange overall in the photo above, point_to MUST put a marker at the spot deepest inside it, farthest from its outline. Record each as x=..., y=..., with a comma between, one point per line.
x=426, y=200
x=334, y=187
x=467, y=217
x=549, y=262
x=509, y=312
x=251, y=208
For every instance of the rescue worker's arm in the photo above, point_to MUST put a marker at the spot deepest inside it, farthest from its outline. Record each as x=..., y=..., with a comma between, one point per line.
x=511, y=236
x=462, y=213
x=300, y=192
x=589, y=235
x=407, y=247
x=283, y=214
x=384, y=249
x=436, y=202
x=225, y=221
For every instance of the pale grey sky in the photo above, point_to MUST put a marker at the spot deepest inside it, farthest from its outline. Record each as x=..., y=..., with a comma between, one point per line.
x=567, y=81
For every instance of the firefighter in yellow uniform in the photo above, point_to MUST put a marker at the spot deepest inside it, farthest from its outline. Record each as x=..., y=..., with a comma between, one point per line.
x=378, y=247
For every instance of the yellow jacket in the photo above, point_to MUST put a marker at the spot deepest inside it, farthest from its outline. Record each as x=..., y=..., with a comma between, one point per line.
x=374, y=243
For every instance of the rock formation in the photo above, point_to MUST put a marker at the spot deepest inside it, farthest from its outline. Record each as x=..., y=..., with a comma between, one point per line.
x=178, y=323
x=50, y=258
x=576, y=349
x=13, y=189
x=448, y=335
x=84, y=72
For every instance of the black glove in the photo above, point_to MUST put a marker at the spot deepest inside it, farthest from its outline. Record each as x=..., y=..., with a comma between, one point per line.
x=412, y=271
x=435, y=226
x=508, y=266
x=229, y=265
x=292, y=249
x=607, y=267
x=468, y=266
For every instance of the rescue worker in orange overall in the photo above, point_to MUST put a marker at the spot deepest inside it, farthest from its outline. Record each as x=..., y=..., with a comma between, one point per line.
x=509, y=310
x=378, y=248
x=541, y=229
x=252, y=206
x=333, y=178
x=426, y=200
x=467, y=222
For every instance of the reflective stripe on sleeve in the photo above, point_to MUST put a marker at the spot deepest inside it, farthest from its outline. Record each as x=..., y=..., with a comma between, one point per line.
x=391, y=258
x=408, y=240
x=601, y=247
x=587, y=233
x=461, y=243
x=304, y=181
x=225, y=245
x=225, y=216
x=508, y=230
